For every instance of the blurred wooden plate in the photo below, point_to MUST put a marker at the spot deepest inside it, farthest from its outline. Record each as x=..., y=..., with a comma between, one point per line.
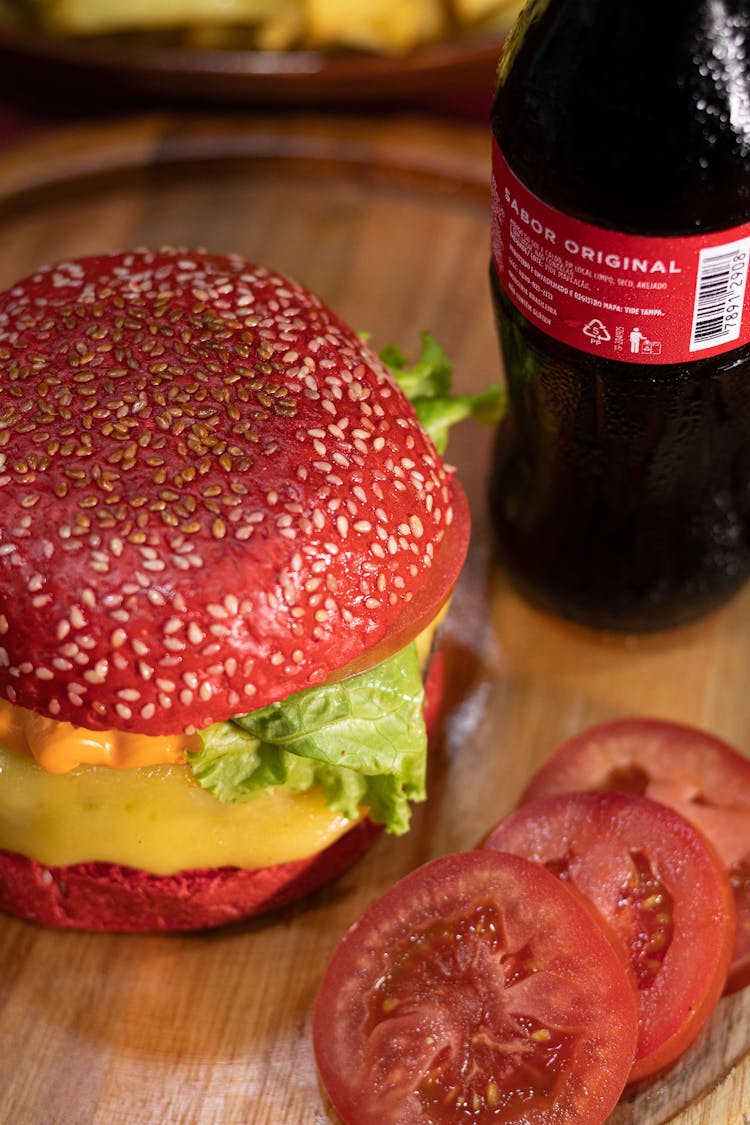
x=447, y=75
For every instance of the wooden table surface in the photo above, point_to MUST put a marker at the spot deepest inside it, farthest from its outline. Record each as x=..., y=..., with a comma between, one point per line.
x=388, y=221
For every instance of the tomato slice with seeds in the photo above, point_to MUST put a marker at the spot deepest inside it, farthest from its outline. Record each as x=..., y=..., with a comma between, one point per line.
x=478, y=989
x=662, y=890
x=699, y=775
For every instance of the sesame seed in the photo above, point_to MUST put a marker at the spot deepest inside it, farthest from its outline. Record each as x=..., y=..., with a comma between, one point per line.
x=77, y=619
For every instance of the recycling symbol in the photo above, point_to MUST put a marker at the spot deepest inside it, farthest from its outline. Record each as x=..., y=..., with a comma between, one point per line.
x=596, y=332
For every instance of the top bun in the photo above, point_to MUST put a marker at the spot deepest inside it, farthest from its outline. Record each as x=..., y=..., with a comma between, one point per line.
x=212, y=494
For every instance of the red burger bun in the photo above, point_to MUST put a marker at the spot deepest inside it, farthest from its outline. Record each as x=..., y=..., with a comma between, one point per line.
x=212, y=496
x=112, y=898
x=235, y=502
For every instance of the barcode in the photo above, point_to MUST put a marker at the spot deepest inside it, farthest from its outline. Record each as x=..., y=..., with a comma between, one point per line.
x=720, y=294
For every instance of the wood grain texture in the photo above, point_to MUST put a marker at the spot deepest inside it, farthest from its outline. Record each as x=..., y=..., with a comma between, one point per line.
x=388, y=221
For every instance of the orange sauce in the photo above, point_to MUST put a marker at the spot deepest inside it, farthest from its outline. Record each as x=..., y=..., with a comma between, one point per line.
x=59, y=747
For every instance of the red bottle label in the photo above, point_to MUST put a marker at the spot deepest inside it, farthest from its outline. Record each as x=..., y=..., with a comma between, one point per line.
x=621, y=296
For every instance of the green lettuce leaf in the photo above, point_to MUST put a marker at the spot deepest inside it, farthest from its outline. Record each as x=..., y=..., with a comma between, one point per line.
x=362, y=740
x=427, y=384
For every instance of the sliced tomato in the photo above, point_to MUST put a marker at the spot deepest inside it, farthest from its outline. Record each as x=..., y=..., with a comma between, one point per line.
x=688, y=769
x=478, y=989
x=660, y=887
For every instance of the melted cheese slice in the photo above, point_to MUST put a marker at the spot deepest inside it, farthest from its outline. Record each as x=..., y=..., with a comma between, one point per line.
x=156, y=818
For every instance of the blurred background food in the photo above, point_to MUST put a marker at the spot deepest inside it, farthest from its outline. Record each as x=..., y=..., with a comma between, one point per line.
x=389, y=27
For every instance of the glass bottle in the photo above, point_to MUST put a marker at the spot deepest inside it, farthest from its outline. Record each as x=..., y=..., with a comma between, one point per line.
x=621, y=239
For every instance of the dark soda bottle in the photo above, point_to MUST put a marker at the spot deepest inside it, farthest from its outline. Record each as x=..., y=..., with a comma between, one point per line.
x=621, y=240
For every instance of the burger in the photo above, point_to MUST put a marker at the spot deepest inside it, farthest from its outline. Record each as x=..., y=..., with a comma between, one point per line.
x=225, y=543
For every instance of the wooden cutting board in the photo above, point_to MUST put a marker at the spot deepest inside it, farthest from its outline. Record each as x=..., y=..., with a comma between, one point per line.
x=388, y=221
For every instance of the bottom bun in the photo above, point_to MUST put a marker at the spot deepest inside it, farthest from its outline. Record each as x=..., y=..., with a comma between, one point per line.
x=106, y=896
